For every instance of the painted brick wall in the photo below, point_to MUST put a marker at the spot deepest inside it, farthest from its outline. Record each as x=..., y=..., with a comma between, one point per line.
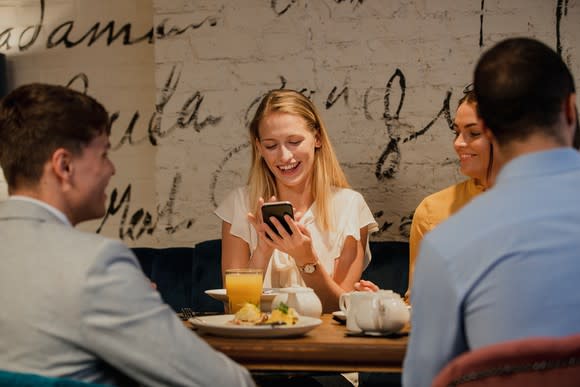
x=54, y=42
x=381, y=72
x=349, y=56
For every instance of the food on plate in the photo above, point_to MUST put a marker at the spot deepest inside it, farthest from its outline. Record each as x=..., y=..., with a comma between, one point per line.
x=250, y=314
x=283, y=315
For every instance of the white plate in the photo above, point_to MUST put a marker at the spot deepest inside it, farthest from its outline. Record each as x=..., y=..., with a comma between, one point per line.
x=221, y=326
x=268, y=294
x=339, y=314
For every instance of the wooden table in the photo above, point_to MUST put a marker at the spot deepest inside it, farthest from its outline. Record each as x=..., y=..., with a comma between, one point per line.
x=325, y=348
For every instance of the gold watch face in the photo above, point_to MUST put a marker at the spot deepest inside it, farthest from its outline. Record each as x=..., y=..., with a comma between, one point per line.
x=309, y=268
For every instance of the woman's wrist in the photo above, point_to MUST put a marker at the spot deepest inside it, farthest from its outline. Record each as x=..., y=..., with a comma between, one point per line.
x=306, y=259
x=260, y=255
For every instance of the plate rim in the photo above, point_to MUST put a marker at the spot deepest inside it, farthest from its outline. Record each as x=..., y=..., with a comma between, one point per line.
x=254, y=331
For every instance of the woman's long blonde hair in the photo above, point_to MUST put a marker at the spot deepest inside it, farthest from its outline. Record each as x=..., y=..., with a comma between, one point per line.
x=327, y=174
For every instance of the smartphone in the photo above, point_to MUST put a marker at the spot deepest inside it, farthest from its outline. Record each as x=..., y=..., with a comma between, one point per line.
x=277, y=210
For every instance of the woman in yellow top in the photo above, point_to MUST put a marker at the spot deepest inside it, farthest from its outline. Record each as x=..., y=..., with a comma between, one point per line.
x=476, y=159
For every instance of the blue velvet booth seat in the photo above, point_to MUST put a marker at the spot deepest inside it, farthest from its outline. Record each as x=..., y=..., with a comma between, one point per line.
x=182, y=274
x=389, y=267
x=17, y=379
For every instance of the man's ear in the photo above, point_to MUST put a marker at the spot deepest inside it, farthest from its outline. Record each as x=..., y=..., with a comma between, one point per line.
x=498, y=156
x=570, y=110
x=571, y=117
x=61, y=163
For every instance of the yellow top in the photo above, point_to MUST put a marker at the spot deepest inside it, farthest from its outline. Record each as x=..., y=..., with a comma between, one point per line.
x=433, y=210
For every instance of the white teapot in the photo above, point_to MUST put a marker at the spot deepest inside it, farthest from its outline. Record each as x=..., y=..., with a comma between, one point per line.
x=303, y=300
x=380, y=312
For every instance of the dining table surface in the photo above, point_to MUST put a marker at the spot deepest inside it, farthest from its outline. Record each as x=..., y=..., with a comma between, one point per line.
x=326, y=348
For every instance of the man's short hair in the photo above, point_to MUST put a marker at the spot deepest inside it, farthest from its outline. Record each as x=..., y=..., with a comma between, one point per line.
x=521, y=85
x=37, y=119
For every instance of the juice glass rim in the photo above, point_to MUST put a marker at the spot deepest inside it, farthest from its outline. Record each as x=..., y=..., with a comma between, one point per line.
x=243, y=271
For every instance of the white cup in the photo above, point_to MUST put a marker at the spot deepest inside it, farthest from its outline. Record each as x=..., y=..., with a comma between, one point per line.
x=369, y=312
x=344, y=303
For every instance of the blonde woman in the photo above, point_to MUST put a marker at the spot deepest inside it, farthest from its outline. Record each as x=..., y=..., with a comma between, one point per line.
x=293, y=160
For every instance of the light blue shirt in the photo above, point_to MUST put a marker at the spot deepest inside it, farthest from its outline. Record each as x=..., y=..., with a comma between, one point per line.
x=506, y=266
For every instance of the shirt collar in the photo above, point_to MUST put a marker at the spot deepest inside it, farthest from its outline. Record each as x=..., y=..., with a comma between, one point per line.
x=474, y=187
x=55, y=211
x=540, y=164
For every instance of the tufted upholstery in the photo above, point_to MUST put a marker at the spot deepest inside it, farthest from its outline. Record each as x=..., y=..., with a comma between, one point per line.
x=530, y=362
x=182, y=274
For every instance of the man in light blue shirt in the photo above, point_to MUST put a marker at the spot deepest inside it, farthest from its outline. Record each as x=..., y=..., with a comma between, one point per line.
x=507, y=266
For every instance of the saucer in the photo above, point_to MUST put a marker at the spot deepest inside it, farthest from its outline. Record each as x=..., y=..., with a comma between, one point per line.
x=339, y=315
x=388, y=334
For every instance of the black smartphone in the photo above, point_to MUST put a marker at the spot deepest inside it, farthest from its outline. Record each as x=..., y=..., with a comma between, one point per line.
x=277, y=210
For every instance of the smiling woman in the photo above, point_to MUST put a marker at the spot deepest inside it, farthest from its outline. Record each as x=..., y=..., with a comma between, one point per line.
x=293, y=160
x=473, y=148
x=475, y=154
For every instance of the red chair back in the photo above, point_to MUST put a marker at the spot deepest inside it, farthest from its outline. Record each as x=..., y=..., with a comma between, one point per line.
x=530, y=362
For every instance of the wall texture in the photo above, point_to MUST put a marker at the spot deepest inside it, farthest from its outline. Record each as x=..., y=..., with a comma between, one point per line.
x=185, y=77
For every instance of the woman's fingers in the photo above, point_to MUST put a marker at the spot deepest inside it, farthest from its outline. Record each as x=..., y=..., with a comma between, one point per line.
x=253, y=220
x=260, y=204
x=303, y=230
x=282, y=233
x=294, y=227
x=366, y=286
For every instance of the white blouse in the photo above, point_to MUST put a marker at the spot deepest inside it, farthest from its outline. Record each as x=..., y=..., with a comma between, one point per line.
x=350, y=213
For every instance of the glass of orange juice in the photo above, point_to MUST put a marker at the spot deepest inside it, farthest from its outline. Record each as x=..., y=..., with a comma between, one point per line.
x=243, y=285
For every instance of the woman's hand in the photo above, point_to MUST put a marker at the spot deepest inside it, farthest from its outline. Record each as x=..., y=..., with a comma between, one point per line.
x=262, y=246
x=365, y=286
x=298, y=245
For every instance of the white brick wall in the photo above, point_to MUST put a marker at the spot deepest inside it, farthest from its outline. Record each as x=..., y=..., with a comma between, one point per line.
x=239, y=50
x=120, y=76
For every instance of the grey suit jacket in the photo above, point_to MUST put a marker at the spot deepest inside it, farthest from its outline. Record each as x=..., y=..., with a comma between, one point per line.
x=75, y=304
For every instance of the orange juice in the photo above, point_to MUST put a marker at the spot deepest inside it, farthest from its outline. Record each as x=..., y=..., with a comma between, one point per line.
x=243, y=285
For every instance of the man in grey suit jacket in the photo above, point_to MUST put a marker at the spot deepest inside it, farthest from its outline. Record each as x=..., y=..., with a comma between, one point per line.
x=75, y=304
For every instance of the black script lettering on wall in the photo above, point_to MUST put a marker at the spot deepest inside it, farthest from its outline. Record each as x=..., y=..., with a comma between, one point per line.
x=136, y=223
x=280, y=7
x=481, y=23
x=561, y=10
x=68, y=35
x=388, y=163
x=389, y=160
x=187, y=117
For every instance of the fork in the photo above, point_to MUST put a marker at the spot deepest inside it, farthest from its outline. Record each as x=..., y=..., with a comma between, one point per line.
x=187, y=313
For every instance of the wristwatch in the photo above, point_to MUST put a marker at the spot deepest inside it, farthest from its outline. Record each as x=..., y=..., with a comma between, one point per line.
x=309, y=268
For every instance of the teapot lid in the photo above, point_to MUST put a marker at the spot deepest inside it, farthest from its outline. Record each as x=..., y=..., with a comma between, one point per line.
x=389, y=293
